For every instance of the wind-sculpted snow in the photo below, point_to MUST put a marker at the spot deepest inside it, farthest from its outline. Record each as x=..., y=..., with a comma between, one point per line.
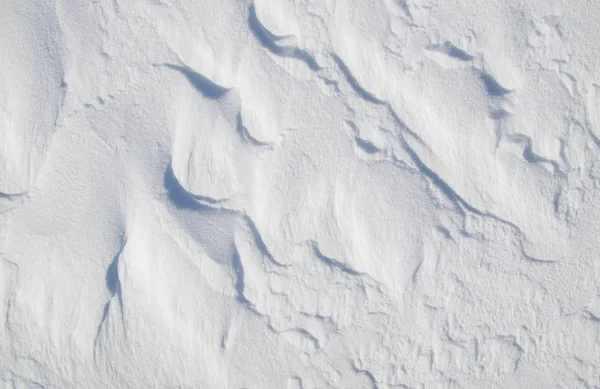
x=300, y=194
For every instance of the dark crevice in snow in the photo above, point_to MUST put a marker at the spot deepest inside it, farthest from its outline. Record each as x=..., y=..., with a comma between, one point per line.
x=366, y=373
x=590, y=316
x=7, y=323
x=208, y=199
x=362, y=92
x=556, y=202
x=332, y=263
x=245, y=135
x=526, y=141
x=268, y=41
x=452, y=51
x=63, y=96
x=224, y=339
x=522, y=245
x=492, y=86
x=238, y=270
x=182, y=199
x=12, y=196
x=113, y=281
x=305, y=333
x=202, y=84
x=415, y=273
x=102, y=321
x=462, y=206
x=406, y=8
x=499, y=114
x=264, y=36
x=307, y=58
x=178, y=196
x=113, y=285
x=298, y=381
x=331, y=83
x=399, y=122
x=363, y=144
x=435, y=179
x=258, y=241
x=457, y=53
x=352, y=126
x=444, y=231
x=529, y=155
x=299, y=330
x=366, y=146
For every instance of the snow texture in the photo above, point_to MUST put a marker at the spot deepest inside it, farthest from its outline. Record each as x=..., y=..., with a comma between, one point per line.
x=300, y=194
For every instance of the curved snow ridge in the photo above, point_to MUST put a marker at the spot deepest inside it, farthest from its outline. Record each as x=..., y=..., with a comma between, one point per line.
x=362, y=92
x=186, y=201
x=209, y=140
x=247, y=136
x=270, y=42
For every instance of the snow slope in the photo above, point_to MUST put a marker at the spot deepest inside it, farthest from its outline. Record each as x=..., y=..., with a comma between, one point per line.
x=299, y=194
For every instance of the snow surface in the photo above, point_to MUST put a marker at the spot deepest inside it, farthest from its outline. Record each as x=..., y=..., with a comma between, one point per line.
x=299, y=194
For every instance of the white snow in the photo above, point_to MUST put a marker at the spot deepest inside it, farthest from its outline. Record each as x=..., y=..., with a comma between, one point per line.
x=299, y=194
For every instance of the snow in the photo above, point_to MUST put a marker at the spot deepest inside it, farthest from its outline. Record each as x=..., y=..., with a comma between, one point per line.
x=299, y=194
